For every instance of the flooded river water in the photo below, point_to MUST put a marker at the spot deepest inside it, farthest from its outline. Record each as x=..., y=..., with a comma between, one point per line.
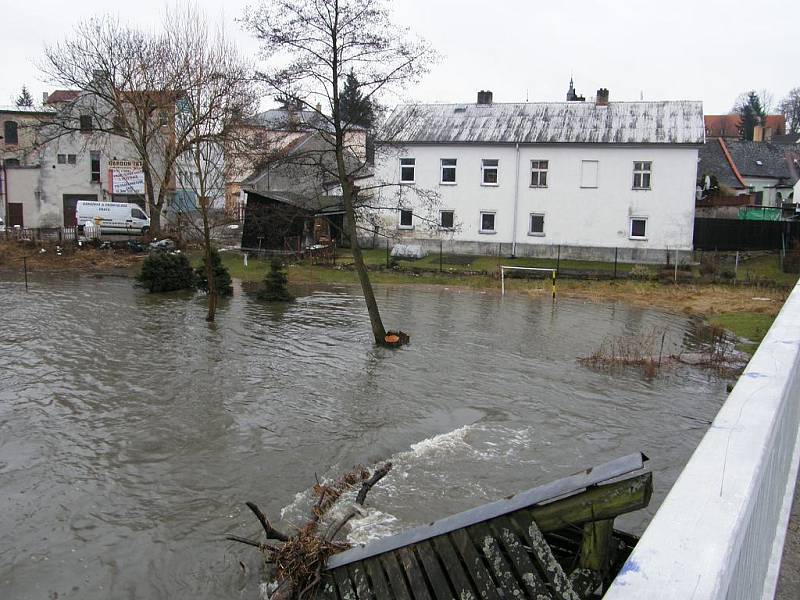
x=131, y=432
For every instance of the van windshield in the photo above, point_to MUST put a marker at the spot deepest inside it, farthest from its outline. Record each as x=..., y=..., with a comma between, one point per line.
x=138, y=214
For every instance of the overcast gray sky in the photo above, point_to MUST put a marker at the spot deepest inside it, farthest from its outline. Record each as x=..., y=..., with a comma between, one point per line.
x=661, y=50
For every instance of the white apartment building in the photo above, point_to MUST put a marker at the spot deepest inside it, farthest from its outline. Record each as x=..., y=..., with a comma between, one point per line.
x=582, y=179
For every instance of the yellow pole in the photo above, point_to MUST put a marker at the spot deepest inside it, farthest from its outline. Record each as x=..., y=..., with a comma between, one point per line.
x=554, y=284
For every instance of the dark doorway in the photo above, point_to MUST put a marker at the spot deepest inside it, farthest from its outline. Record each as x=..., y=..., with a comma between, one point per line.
x=71, y=204
x=15, y=214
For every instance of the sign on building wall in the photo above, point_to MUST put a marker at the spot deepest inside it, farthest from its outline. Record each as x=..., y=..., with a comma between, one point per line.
x=125, y=177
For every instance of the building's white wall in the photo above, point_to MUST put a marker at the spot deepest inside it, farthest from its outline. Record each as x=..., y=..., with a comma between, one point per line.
x=574, y=216
x=767, y=186
x=23, y=188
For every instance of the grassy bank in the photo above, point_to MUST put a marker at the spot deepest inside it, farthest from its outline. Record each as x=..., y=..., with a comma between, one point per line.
x=746, y=310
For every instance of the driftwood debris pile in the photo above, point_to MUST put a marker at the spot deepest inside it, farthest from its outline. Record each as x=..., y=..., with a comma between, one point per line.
x=298, y=558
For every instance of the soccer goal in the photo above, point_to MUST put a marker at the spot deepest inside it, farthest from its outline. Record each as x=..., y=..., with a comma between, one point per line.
x=503, y=269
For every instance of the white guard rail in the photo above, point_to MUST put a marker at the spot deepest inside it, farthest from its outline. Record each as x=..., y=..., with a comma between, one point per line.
x=720, y=531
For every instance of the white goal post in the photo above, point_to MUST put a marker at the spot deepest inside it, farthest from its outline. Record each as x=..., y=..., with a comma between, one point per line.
x=553, y=273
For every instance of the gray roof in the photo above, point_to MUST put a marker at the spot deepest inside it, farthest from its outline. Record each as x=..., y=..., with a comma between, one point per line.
x=712, y=161
x=765, y=159
x=789, y=138
x=279, y=119
x=678, y=122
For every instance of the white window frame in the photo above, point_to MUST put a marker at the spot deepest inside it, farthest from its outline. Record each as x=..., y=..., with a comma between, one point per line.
x=495, y=168
x=539, y=170
x=494, y=223
x=400, y=219
x=596, y=174
x=630, y=228
x=641, y=173
x=442, y=167
x=530, y=224
x=412, y=166
x=453, y=226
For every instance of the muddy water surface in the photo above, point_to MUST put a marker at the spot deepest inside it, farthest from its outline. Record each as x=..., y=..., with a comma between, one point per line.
x=131, y=432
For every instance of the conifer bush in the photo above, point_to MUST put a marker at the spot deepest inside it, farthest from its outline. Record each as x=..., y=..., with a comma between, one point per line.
x=275, y=282
x=222, y=278
x=165, y=272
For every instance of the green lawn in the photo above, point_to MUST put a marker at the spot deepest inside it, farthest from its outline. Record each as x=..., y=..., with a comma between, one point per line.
x=748, y=325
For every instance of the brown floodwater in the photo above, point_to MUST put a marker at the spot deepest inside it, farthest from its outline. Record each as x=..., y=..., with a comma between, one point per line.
x=132, y=432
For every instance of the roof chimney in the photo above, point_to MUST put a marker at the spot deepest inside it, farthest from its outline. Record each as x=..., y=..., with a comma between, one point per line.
x=484, y=97
x=602, y=97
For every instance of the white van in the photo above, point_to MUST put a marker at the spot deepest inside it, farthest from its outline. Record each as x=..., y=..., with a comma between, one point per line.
x=113, y=217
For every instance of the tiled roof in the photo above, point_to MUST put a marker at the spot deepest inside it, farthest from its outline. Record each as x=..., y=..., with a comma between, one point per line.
x=678, y=122
x=712, y=161
x=62, y=96
x=728, y=125
x=25, y=109
x=764, y=159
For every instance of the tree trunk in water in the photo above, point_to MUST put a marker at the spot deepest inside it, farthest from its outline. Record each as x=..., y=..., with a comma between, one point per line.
x=212, y=287
x=155, y=214
x=378, y=331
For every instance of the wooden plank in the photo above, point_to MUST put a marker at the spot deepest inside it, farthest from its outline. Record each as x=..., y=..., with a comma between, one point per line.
x=360, y=580
x=328, y=587
x=526, y=571
x=596, y=546
x=344, y=585
x=475, y=565
x=397, y=579
x=414, y=573
x=430, y=563
x=598, y=503
x=454, y=568
x=503, y=572
x=380, y=586
x=552, y=570
x=537, y=495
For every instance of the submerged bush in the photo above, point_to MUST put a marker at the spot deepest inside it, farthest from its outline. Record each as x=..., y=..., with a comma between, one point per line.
x=164, y=272
x=275, y=284
x=222, y=278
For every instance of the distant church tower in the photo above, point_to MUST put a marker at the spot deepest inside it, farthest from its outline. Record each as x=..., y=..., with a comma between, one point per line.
x=571, y=95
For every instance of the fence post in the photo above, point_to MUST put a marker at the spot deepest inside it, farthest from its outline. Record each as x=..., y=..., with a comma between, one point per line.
x=558, y=257
x=676, y=265
x=387, y=252
x=25, y=264
x=736, y=267
x=441, y=249
x=616, y=250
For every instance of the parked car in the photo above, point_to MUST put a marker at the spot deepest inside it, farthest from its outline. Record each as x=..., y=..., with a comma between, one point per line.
x=112, y=217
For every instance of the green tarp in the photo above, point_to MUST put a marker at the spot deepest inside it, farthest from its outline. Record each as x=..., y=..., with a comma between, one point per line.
x=759, y=214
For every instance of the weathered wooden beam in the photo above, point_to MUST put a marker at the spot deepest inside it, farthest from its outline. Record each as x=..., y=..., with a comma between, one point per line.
x=595, y=504
x=562, y=588
x=596, y=545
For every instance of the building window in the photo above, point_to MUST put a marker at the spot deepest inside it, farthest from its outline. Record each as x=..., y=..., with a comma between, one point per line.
x=539, y=173
x=446, y=219
x=72, y=159
x=95, y=157
x=589, y=170
x=489, y=168
x=641, y=175
x=448, y=170
x=638, y=229
x=62, y=159
x=86, y=123
x=487, y=222
x=406, y=219
x=10, y=132
x=536, y=224
x=14, y=162
x=407, y=170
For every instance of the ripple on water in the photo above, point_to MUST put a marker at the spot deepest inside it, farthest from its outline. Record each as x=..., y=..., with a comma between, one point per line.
x=131, y=432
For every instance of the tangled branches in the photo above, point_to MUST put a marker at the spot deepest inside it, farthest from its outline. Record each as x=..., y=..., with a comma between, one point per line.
x=300, y=558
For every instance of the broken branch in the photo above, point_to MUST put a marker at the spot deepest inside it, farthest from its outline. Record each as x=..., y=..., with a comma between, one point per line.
x=379, y=474
x=272, y=533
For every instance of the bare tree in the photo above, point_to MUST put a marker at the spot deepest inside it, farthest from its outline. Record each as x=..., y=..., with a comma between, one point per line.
x=311, y=47
x=217, y=94
x=790, y=107
x=131, y=82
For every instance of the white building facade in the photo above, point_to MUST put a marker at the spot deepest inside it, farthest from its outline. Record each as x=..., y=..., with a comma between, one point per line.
x=577, y=179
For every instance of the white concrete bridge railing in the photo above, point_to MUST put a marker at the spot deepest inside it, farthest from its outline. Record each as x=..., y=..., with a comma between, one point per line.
x=720, y=531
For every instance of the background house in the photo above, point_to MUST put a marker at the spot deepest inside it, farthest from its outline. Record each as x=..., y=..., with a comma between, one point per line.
x=536, y=179
x=727, y=126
